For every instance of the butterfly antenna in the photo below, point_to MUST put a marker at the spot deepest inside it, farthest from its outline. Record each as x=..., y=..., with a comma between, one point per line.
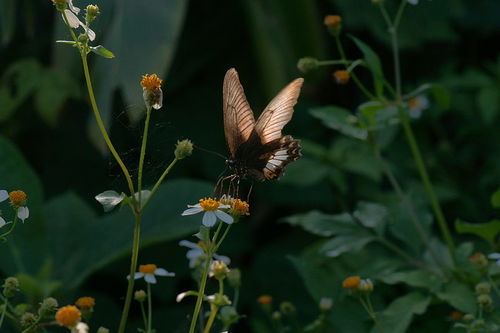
x=210, y=151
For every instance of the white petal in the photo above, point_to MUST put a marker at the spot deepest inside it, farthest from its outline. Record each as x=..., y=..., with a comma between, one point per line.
x=3, y=195
x=23, y=213
x=150, y=278
x=91, y=35
x=180, y=297
x=194, y=253
x=73, y=21
x=137, y=275
x=224, y=259
x=225, y=217
x=74, y=9
x=109, y=199
x=209, y=219
x=189, y=244
x=81, y=327
x=144, y=193
x=2, y=222
x=494, y=255
x=163, y=272
x=192, y=211
x=197, y=205
x=224, y=206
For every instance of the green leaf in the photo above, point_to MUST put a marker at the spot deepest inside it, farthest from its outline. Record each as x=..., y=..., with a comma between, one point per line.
x=102, y=51
x=487, y=231
x=95, y=242
x=398, y=315
x=488, y=101
x=341, y=120
x=441, y=95
x=416, y=278
x=203, y=234
x=459, y=295
x=495, y=199
x=352, y=242
x=373, y=62
x=322, y=224
x=306, y=172
x=371, y=215
x=369, y=112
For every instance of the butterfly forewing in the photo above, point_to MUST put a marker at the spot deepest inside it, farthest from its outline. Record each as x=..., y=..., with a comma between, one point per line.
x=278, y=112
x=238, y=117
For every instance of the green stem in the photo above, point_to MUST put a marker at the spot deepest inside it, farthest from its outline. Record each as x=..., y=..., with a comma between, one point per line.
x=353, y=75
x=28, y=329
x=334, y=62
x=8, y=232
x=133, y=267
x=150, y=309
x=410, y=137
x=211, y=318
x=101, y=126
x=373, y=315
x=404, y=199
x=417, y=156
x=5, y=305
x=159, y=181
x=143, y=154
x=223, y=236
x=201, y=293
x=144, y=317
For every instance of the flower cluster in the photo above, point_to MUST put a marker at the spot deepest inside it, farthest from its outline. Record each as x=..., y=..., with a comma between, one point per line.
x=149, y=273
x=18, y=201
x=225, y=209
x=70, y=13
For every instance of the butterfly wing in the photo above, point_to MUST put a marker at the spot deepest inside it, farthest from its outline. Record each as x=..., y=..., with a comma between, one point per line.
x=278, y=112
x=238, y=117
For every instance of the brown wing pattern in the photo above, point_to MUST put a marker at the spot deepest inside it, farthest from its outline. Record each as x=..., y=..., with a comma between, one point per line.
x=238, y=117
x=278, y=112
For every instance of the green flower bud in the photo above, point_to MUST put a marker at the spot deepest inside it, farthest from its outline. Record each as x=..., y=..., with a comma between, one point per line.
x=276, y=315
x=228, y=315
x=483, y=288
x=234, y=278
x=287, y=308
x=91, y=13
x=484, y=300
x=140, y=295
x=183, y=149
x=325, y=304
x=48, y=306
x=60, y=4
x=468, y=318
x=83, y=38
x=28, y=319
x=10, y=286
x=307, y=64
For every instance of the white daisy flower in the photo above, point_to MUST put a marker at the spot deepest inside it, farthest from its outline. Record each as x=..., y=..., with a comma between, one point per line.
x=149, y=273
x=196, y=254
x=73, y=20
x=212, y=212
x=495, y=256
x=17, y=199
x=416, y=105
x=81, y=327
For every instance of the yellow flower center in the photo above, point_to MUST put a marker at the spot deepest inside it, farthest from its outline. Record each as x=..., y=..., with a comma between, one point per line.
x=209, y=204
x=264, y=299
x=147, y=269
x=240, y=207
x=85, y=302
x=341, y=76
x=17, y=198
x=151, y=82
x=351, y=282
x=68, y=316
x=332, y=21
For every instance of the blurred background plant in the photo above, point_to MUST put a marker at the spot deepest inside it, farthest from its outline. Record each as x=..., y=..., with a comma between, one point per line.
x=68, y=247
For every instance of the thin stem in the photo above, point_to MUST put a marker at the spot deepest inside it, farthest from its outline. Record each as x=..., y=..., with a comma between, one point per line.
x=201, y=293
x=8, y=232
x=223, y=236
x=159, y=181
x=150, y=309
x=143, y=153
x=236, y=297
x=213, y=312
x=373, y=314
x=404, y=199
x=334, y=62
x=133, y=266
x=417, y=156
x=101, y=126
x=144, y=317
x=5, y=305
x=353, y=75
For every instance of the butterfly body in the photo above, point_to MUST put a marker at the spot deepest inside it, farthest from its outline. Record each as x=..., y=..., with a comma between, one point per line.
x=258, y=149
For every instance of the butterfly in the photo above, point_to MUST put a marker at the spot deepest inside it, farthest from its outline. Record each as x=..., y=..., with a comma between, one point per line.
x=257, y=148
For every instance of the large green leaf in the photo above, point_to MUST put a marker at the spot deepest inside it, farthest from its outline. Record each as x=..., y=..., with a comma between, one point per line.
x=340, y=119
x=416, y=278
x=324, y=224
x=460, y=296
x=488, y=231
x=82, y=243
x=399, y=314
x=373, y=62
x=24, y=249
